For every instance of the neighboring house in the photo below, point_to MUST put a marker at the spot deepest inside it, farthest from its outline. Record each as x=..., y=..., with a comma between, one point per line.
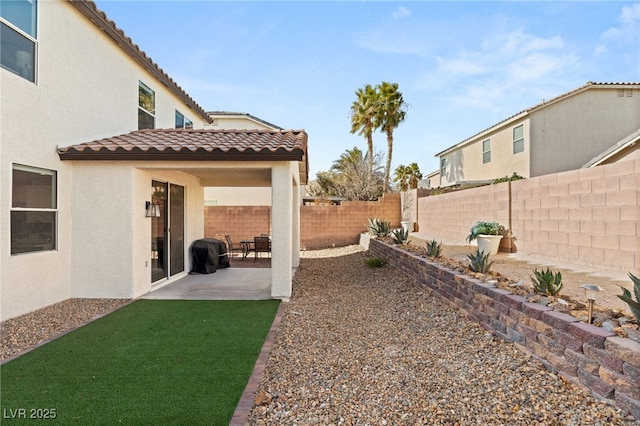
x=233, y=196
x=557, y=135
x=238, y=121
x=94, y=143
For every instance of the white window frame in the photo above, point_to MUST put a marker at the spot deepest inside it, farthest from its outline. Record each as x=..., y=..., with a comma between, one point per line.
x=516, y=141
x=29, y=37
x=486, y=152
x=151, y=114
x=40, y=209
x=186, y=123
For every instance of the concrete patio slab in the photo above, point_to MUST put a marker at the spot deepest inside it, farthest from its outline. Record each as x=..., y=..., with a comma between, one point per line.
x=224, y=284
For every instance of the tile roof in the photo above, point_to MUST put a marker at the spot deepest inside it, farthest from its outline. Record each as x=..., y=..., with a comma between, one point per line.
x=89, y=9
x=189, y=144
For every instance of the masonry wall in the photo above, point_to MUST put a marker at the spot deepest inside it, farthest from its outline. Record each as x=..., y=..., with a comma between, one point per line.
x=320, y=226
x=589, y=356
x=589, y=216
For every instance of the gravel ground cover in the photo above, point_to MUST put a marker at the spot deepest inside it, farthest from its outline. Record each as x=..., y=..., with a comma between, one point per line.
x=362, y=346
x=26, y=331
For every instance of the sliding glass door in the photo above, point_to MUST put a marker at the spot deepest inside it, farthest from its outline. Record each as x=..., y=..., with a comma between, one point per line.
x=167, y=230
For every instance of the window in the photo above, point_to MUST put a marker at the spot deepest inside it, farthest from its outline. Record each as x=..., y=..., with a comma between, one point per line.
x=182, y=122
x=486, y=151
x=146, y=107
x=18, y=20
x=33, y=209
x=518, y=139
x=443, y=166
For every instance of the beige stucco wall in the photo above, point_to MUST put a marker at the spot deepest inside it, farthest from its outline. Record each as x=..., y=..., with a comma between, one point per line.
x=569, y=133
x=236, y=123
x=87, y=89
x=465, y=164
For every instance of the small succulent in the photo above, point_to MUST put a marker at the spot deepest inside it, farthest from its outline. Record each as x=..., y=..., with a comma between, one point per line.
x=400, y=236
x=434, y=249
x=379, y=228
x=479, y=262
x=375, y=262
x=634, y=305
x=547, y=282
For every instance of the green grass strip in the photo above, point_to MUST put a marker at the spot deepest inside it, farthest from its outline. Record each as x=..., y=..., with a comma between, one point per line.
x=151, y=362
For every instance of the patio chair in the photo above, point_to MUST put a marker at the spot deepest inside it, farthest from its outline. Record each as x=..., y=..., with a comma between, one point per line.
x=231, y=247
x=261, y=245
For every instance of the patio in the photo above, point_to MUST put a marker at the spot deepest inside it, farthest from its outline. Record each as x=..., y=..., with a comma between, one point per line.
x=250, y=282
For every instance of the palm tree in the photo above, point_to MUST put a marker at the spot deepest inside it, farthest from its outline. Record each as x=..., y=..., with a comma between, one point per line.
x=407, y=176
x=391, y=112
x=363, y=113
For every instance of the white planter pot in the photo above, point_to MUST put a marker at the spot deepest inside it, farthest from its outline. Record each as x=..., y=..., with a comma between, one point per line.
x=407, y=226
x=489, y=243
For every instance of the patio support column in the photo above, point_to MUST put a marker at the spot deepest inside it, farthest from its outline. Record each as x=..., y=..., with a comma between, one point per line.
x=282, y=231
x=295, y=210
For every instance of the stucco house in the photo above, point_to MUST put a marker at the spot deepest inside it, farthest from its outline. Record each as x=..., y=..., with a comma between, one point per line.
x=239, y=121
x=560, y=134
x=104, y=160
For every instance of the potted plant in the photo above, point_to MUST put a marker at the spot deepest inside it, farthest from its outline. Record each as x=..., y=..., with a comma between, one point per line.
x=488, y=235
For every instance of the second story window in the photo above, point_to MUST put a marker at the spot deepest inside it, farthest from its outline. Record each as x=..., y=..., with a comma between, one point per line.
x=486, y=151
x=443, y=167
x=183, y=122
x=146, y=107
x=518, y=139
x=18, y=19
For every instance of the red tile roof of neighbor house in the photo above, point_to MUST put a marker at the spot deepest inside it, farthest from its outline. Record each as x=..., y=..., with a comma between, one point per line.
x=194, y=145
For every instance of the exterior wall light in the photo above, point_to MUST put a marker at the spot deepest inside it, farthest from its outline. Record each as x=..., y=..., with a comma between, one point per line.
x=153, y=210
x=591, y=291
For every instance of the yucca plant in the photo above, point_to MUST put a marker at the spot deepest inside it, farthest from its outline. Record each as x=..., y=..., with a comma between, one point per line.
x=547, y=282
x=634, y=305
x=434, y=249
x=400, y=236
x=479, y=262
x=379, y=228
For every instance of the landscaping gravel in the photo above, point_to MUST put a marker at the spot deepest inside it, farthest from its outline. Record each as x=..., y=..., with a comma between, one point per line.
x=29, y=330
x=362, y=346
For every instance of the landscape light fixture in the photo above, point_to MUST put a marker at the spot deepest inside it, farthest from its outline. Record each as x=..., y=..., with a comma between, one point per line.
x=591, y=291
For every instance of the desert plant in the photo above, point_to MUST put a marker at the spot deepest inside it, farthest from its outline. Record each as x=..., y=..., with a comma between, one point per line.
x=485, y=228
x=547, y=282
x=434, y=249
x=379, y=228
x=400, y=236
x=634, y=305
x=375, y=262
x=479, y=262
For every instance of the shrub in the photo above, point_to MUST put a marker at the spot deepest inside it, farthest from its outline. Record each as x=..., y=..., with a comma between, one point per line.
x=375, y=262
x=400, y=236
x=634, y=305
x=434, y=249
x=485, y=228
x=379, y=228
x=547, y=282
x=479, y=262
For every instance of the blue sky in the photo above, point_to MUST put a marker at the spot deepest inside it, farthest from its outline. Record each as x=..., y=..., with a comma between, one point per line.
x=462, y=66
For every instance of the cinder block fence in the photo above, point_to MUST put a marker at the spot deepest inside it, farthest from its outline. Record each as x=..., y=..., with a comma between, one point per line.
x=589, y=356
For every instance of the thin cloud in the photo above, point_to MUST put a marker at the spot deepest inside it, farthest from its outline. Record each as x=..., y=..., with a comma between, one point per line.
x=629, y=19
x=401, y=12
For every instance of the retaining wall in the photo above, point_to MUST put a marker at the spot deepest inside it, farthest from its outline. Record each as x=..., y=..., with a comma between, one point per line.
x=589, y=356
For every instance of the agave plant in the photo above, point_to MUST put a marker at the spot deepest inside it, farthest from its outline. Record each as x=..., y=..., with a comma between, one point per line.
x=400, y=236
x=634, y=305
x=547, y=282
x=379, y=228
x=434, y=249
x=479, y=262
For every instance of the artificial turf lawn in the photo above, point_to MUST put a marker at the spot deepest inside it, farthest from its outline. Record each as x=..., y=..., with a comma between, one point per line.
x=151, y=362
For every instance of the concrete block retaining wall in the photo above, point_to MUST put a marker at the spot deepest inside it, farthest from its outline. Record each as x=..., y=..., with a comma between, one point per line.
x=589, y=356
